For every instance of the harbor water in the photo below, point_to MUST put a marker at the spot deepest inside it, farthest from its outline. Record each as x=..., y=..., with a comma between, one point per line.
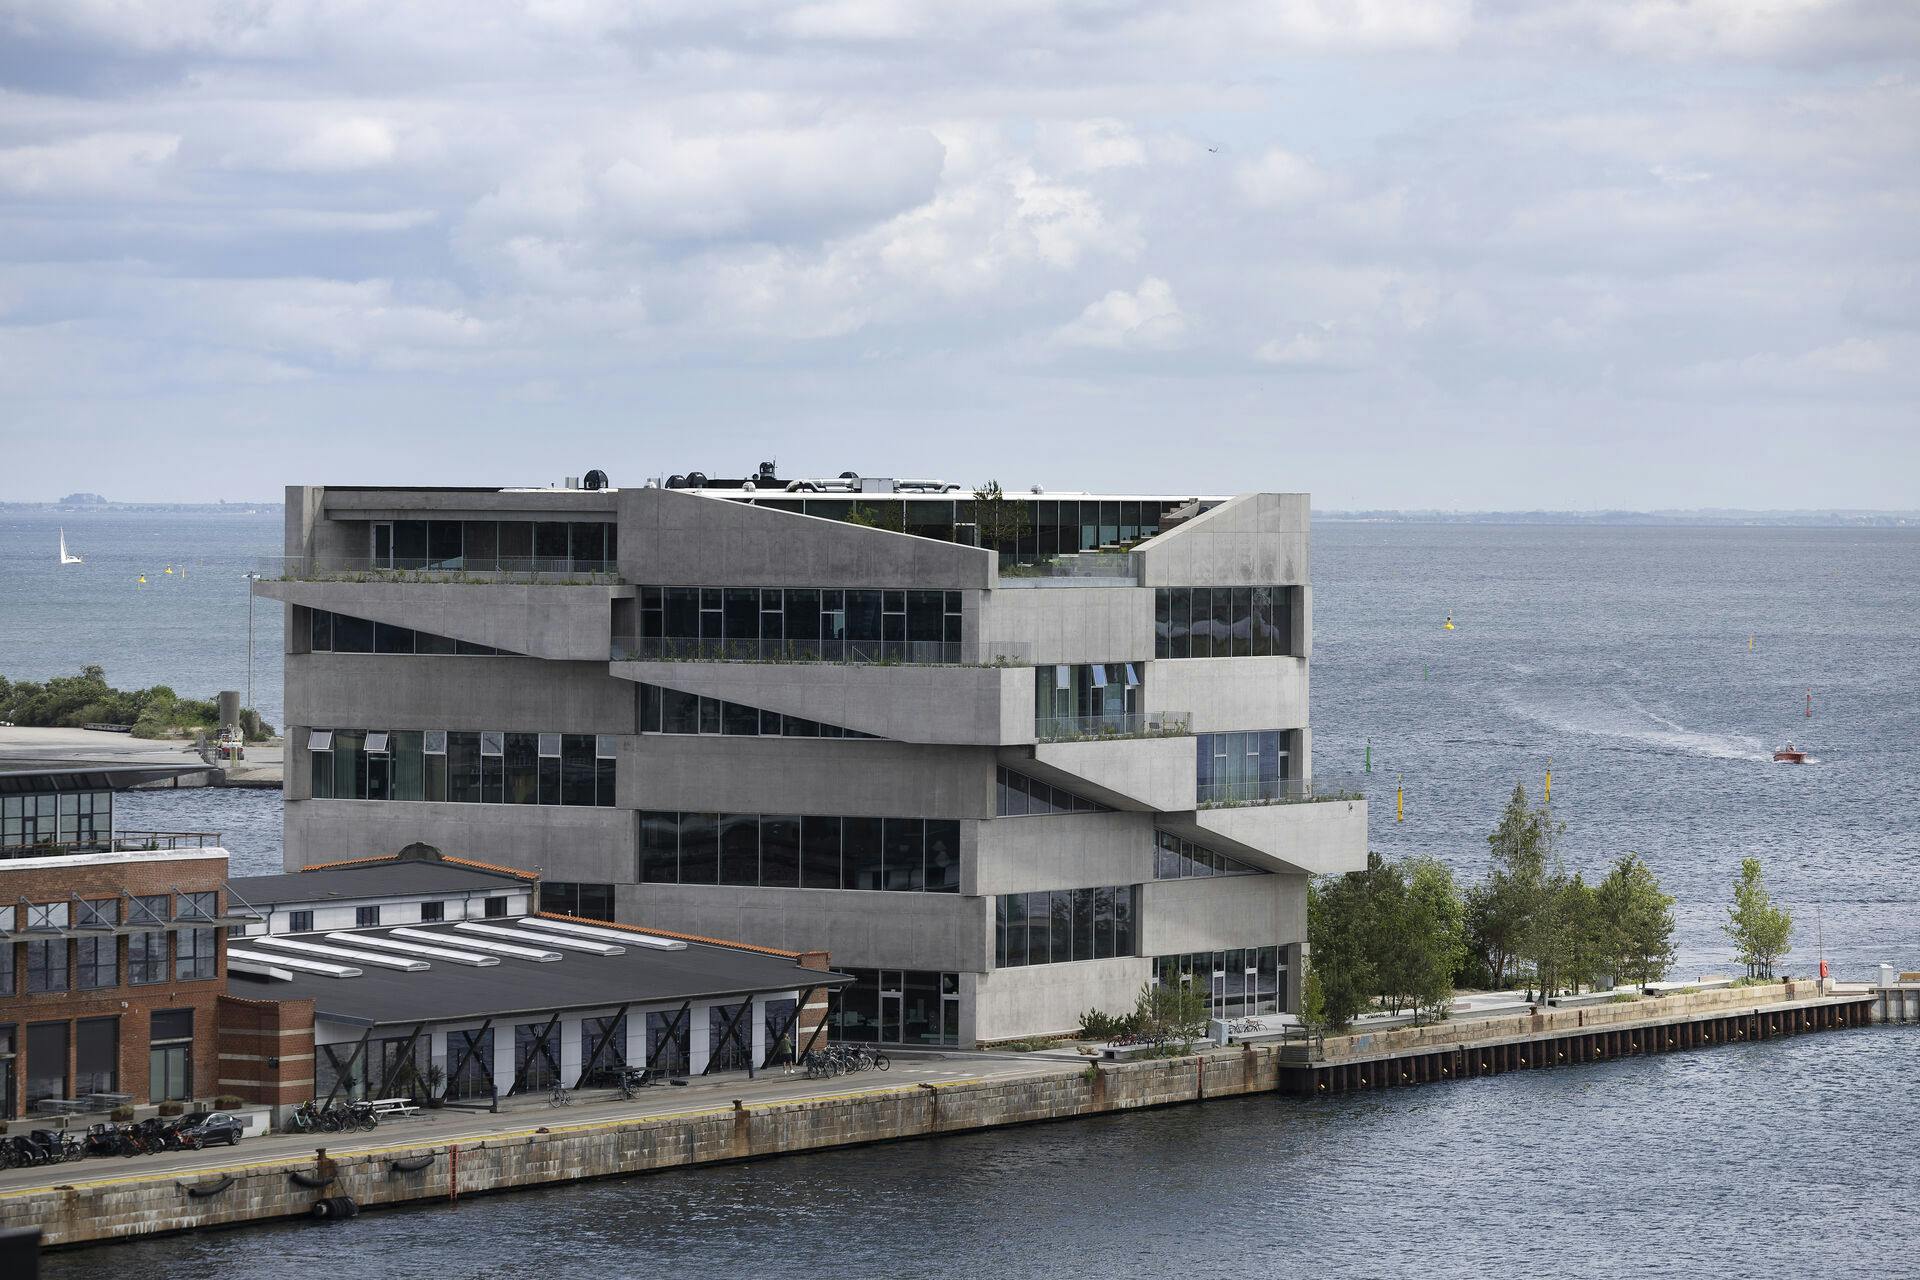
x=1658, y=668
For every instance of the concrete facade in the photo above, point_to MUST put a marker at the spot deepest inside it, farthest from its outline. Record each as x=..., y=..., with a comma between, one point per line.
x=942, y=735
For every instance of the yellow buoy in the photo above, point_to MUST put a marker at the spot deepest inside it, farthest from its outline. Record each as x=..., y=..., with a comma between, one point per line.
x=141, y=578
x=1449, y=625
x=1399, y=801
x=169, y=570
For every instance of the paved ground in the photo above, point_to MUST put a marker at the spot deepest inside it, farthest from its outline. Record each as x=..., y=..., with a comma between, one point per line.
x=72, y=748
x=448, y=1125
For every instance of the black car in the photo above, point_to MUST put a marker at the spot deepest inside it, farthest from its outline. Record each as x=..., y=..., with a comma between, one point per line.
x=212, y=1128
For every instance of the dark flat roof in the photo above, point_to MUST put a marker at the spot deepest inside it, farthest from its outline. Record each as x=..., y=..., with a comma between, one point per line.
x=24, y=773
x=528, y=988
x=373, y=880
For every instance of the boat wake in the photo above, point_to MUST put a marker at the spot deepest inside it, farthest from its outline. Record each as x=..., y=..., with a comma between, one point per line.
x=1636, y=723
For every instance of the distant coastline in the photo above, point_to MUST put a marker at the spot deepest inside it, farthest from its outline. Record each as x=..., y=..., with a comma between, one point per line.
x=1712, y=518
x=67, y=507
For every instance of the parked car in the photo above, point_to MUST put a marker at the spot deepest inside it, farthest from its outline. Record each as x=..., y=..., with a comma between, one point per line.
x=211, y=1129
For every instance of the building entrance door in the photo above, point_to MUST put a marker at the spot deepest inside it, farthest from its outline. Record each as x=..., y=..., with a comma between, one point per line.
x=170, y=1073
x=9, y=1101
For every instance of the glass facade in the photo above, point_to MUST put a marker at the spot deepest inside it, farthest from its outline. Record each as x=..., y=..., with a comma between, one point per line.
x=896, y=1006
x=1021, y=796
x=488, y=767
x=670, y=711
x=793, y=851
x=603, y=1049
x=1223, y=622
x=54, y=818
x=1240, y=768
x=797, y=624
x=669, y=1042
x=495, y=546
x=471, y=1078
x=338, y=633
x=729, y=1036
x=1040, y=528
x=1177, y=859
x=589, y=901
x=1224, y=978
x=536, y=1062
x=1088, y=698
x=1061, y=925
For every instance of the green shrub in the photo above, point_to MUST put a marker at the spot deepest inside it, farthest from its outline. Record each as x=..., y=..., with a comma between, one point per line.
x=1096, y=1025
x=121, y=1114
x=172, y=1108
x=229, y=1101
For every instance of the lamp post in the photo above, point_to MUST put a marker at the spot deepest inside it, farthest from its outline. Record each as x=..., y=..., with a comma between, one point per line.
x=251, y=579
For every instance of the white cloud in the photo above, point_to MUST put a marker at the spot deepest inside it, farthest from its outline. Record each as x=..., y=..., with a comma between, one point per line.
x=341, y=146
x=1148, y=319
x=96, y=164
x=1279, y=179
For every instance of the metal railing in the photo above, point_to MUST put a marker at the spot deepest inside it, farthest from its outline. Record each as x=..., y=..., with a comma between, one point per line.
x=120, y=842
x=1132, y=724
x=1325, y=786
x=1123, y=566
x=872, y=652
x=498, y=569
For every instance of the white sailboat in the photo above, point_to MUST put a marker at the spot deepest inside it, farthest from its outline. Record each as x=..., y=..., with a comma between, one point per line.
x=65, y=556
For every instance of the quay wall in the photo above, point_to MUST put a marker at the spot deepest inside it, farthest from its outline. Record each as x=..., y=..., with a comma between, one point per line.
x=89, y=1210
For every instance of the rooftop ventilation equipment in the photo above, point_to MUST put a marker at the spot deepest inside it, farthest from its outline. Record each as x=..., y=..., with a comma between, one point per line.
x=696, y=479
x=478, y=944
x=596, y=480
x=610, y=935
x=264, y=960
x=676, y=482
x=847, y=482
x=563, y=942
x=448, y=954
x=408, y=963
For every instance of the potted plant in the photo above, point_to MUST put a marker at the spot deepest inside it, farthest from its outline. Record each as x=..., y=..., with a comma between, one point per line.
x=434, y=1077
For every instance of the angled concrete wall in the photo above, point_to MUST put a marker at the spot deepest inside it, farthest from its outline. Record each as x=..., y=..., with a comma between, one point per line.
x=562, y=842
x=677, y=539
x=559, y=622
x=1224, y=695
x=1259, y=539
x=1047, y=999
x=979, y=706
x=1063, y=851
x=369, y=691
x=806, y=775
x=1211, y=913
x=470, y=504
x=1127, y=773
x=1070, y=624
x=942, y=931
x=1323, y=837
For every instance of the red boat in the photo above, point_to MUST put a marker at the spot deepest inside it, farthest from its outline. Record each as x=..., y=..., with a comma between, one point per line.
x=1789, y=755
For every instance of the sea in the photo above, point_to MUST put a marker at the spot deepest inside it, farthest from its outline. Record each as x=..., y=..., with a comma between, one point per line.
x=1653, y=670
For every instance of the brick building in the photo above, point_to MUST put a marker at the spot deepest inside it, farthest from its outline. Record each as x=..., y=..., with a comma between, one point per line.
x=112, y=953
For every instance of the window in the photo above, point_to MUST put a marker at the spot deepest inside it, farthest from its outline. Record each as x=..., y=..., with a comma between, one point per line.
x=603, y=1050
x=1022, y=796
x=1223, y=622
x=194, y=955
x=1087, y=700
x=170, y=1055
x=366, y=917
x=729, y=1036
x=496, y=907
x=536, y=1056
x=1234, y=992
x=46, y=1061
x=591, y=901
x=432, y=911
x=1177, y=859
x=785, y=851
x=147, y=949
x=670, y=711
x=96, y=1051
x=669, y=1042
x=96, y=962
x=896, y=1006
x=338, y=633
x=47, y=966
x=8, y=981
x=1062, y=925
x=299, y=922
x=800, y=624
x=1240, y=768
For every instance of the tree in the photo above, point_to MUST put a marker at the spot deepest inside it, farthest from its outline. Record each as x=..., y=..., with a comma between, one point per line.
x=1392, y=935
x=1431, y=930
x=1761, y=932
x=1174, y=1011
x=1511, y=913
x=1338, y=928
x=891, y=516
x=1001, y=523
x=1313, y=1001
x=1635, y=922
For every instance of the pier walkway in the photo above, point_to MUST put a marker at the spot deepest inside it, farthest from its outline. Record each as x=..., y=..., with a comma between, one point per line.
x=25, y=748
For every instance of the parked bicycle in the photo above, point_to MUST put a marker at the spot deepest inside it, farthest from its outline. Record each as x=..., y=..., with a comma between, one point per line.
x=560, y=1096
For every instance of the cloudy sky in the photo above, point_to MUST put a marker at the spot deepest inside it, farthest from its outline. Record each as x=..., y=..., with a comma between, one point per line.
x=1401, y=253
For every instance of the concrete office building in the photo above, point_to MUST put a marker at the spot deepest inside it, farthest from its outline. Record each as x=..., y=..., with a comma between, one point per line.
x=1005, y=760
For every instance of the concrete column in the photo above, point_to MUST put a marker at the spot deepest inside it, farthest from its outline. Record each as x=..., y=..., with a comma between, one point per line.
x=437, y=1049
x=503, y=1038
x=697, y=1040
x=758, y=1039
x=1294, y=956
x=570, y=1061
x=636, y=1038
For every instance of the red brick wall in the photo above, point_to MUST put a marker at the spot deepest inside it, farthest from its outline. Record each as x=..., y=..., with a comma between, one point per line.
x=814, y=1011
x=266, y=1050
x=132, y=1005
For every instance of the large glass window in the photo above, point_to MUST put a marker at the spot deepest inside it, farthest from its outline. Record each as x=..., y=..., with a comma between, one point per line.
x=536, y=1056
x=486, y=767
x=729, y=1037
x=46, y=1061
x=603, y=1050
x=1236, y=982
x=147, y=949
x=669, y=1042
x=1223, y=622
x=1177, y=859
x=785, y=851
x=195, y=954
x=896, y=1006
x=1021, y=796
x=1240, y=768
x=96, y=1052
x=670, y=711
x=800, y=624
x=1061, y=925
x=591, y=901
